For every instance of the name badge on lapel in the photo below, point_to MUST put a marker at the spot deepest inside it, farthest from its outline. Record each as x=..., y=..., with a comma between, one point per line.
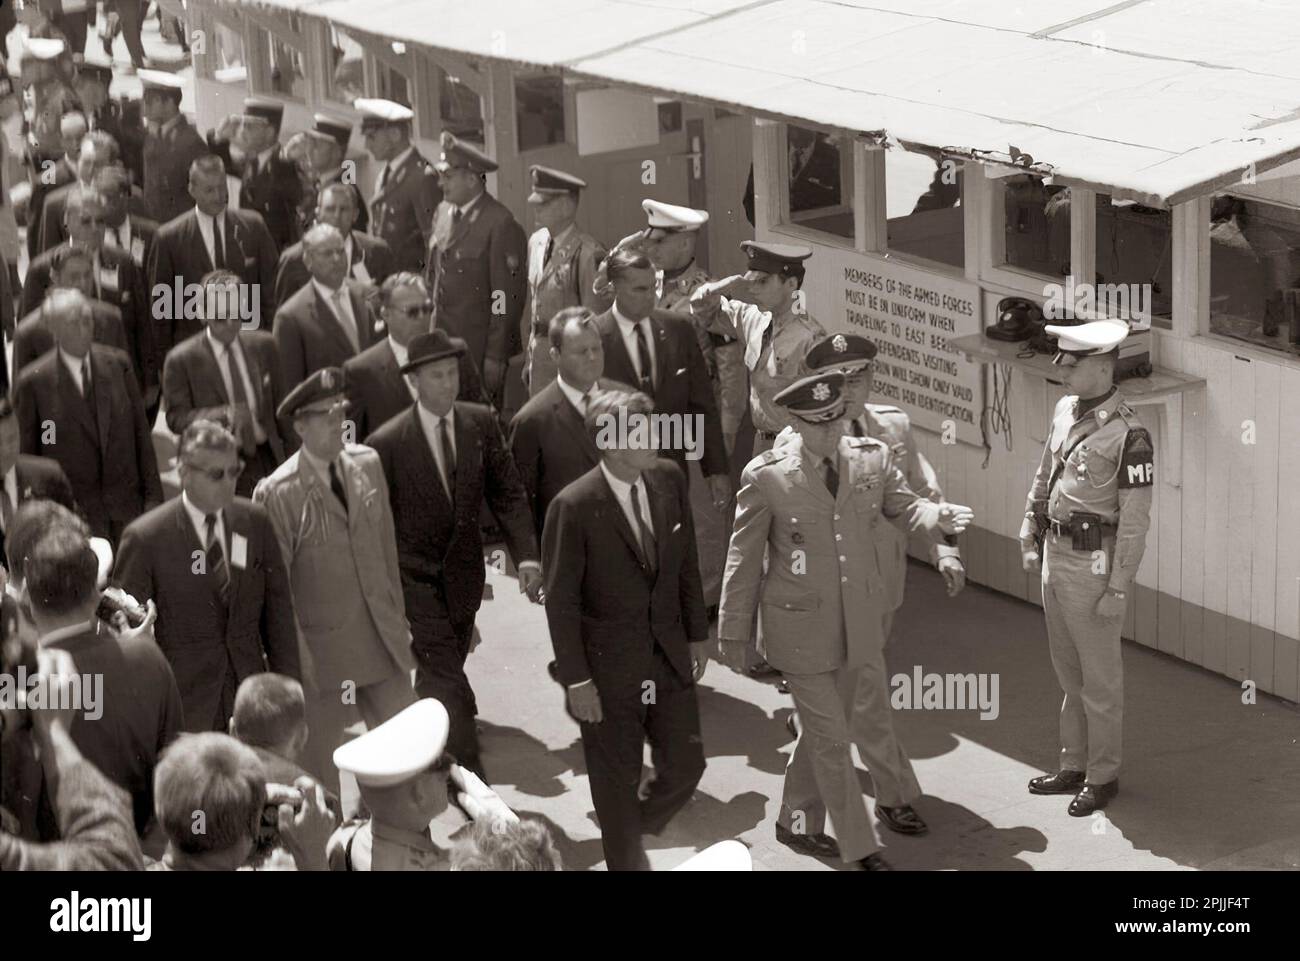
x=137, y=251
x=238, y=551
x=108, y=278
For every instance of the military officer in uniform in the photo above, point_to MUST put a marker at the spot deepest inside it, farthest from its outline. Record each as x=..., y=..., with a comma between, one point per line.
x=269, y=183
x=1085, y=528
x=405, y=777
x=478, y=273
x=854, y=356
x=171, y=145
x=816, y=504
x=327, y=148
x=562, y=263
x=407, y=192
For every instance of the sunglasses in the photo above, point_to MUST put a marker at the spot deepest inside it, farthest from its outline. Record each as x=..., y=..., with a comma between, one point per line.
x=218, y=474
x=415, y=310
x=91, y=219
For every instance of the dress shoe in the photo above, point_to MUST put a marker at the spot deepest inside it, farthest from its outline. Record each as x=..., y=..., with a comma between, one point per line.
x=875, y=862
x=763, y=670
x=1062, y=782
x=1093, y=797
x=814, y=845
x=902, y=819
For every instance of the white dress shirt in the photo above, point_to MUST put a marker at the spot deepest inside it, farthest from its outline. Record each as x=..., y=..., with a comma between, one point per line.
x=199, y=520
x=390, y=166
x=340, y=302
x=74, y=367
x=430, y=423
x=576, y=397
x=223, y=355
x=465, y=207
x=357, y=269
x=623, y=494
x=628, y=329
x=400, y=355
x=11, y=491
x=321, y=467
x=207, y=228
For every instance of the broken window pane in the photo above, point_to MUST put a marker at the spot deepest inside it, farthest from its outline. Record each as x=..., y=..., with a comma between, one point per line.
x=816, y=166
x=923, y=206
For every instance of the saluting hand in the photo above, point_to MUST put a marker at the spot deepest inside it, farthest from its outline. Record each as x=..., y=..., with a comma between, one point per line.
x=954, y=518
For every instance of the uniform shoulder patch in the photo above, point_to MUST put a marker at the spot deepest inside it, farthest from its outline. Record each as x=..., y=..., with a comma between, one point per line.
x=1137, y=463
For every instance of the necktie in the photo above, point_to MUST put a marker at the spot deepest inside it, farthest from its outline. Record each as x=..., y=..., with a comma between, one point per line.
x=456, y=214
x=448, y=457
x=85, y=377
x=345, y=317
x=238, y=395
x=336, y=485
x=550, y=249
x=768, y=333
x=857, y=428
x=218, y=245
x=216, y=557
x=252, y=169
x=383, y=177
x=644, y=533
x=832, y=478
x=643, y=358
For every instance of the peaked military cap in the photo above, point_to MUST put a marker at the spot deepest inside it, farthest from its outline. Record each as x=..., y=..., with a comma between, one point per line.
x=814, y=399
x=781, y=259
x=317, y=392
x=549, y=182
x=330, y=128
x=672, y=217
x=846, y=352
x=405, y=745
x=380, y=113
x=457, y=154
x=1087, y=340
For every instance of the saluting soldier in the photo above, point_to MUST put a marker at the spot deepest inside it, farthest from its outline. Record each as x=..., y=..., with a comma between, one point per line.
x=407, y=192
x=765, y=309
x=1085, y=528
x=269, y=183
x=478, y=273
x=562, y=263
x=327, y=147
x=816, y=503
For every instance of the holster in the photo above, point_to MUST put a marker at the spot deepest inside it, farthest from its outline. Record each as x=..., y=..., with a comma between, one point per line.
x=1085, y=531
x=1041, y=525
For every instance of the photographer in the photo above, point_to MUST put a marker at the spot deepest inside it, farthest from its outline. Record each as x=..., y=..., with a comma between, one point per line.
x=130, y=708
x=217, y=810
x=93, y=814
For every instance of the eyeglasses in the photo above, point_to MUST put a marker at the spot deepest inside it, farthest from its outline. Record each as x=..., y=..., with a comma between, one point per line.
x=91, y=219
x=218, y=474
x=415, y=310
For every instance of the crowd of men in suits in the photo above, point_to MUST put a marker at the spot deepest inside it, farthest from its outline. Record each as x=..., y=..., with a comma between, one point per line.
x=335, y=367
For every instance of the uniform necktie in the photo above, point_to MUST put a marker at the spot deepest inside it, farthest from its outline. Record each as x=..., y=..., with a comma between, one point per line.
x=456, y=214
x=857, y=428
x=336, y=485
x=383, y=177
x=216, y=556
x=644, y=533
x=448, y=457
x=832, y=478
x=643, y=358
x=550, y=249
x=768, y=333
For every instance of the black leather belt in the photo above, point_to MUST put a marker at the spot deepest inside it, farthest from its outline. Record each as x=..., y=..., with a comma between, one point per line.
x=1067, y=529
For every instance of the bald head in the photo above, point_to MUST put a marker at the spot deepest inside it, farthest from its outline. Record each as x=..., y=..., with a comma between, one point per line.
x=324, y=256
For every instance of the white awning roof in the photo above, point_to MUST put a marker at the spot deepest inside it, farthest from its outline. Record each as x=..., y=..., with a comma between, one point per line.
x=1158, y=100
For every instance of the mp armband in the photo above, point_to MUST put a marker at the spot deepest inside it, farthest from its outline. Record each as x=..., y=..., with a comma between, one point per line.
x=1137, y=463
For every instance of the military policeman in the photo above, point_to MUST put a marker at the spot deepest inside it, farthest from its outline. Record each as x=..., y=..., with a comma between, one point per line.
x=562, y=262
x=764, y=308
x=403, y=776
x=171, y=145
x=817, y=504
x=270, y=183
x=854, y=355
x=406, y=191
x=327, y=148
x=1085, y=528
x=477, y=269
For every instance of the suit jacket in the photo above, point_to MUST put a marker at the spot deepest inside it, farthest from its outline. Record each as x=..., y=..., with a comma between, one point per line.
x=255, y=630
x=551, y=446
x=39, y=478
x=121, y=119
x=605, y=609
x=824, y=592
x=53, y=231
x=274, y=192
x=141, y=711
x=469, y=262
x=117, y=282
x=681, y=384
x=193, y=386
x=309, y=336
x=179, y=251
x=378, y=392
x=347, y=591
x=291, y=274
x=143, y=230
x=167, y=160
x=33, y=336
x=402, y=213
x=439, y=544
x=43, y=184
x=104, y=445
x=307, y=206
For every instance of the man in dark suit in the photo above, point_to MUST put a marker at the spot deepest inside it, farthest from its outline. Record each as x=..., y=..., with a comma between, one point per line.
x=377, y=389
x=73, y=268
x=120, y=118
x=406, y=190
x=171, y=145
x=98, y=151
x=48, y=169
x=441, y=458
x=115, y=278
x=139, y=710
x=657, y=352
x=327, y=147
x=24, y=477
x=125, y=226
x=327, y=321
x=269, y=184
x=232, y=374
x=370, y=258
x=548, y=438
x=229, y=617
x=478, y=255
x=80, y=404
x=209, y=237
x=625, y=607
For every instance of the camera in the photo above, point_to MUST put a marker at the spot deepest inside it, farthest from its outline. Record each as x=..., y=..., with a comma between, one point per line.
x=114, y=601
